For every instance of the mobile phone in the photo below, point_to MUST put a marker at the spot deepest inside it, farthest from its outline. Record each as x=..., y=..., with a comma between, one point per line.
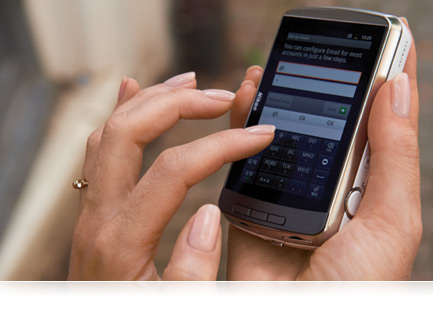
x=321, y=77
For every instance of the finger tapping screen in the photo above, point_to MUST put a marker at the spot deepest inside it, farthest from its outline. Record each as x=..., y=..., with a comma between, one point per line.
x=312, y=91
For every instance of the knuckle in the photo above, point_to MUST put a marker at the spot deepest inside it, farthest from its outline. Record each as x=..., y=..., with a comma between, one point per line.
x=93, y=140
x=168, y=162
x=174, y=90
x=144, y=93
x=185, y=100
x=224, y=143
x=116, y=124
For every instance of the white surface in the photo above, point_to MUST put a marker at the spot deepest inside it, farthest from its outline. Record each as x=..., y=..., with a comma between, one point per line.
x=79, y=37
x=58, y=162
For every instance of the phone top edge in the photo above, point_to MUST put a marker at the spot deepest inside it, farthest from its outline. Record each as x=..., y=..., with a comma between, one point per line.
x=334, y=13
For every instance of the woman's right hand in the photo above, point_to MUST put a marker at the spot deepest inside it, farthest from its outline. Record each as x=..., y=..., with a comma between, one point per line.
x=381, y=241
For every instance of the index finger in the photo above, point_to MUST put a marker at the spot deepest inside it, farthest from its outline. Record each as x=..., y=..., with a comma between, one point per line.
x=118, y=159
x=165, y=185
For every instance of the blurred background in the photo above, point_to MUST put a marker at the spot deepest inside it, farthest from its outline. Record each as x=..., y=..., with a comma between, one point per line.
x=61, y=63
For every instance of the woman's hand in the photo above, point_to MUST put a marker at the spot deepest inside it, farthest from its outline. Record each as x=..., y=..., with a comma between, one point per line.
x=123, y=216
x=381, y=241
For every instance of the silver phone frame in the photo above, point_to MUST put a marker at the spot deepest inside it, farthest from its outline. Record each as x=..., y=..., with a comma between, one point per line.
x=357, y=144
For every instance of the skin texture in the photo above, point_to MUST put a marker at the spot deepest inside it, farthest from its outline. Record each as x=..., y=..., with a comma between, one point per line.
x=123, y=215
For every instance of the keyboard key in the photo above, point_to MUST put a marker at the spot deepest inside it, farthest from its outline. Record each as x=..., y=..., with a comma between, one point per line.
x=274, y=151
x=324, y=162
x=269, y=165
x=297, y=187
x=329, y=147
x=264, y=180
x=247, y=176
x=280, y=137
x=252, y=163
x=311, y=143
x=286, y=169
x=289, y=154
x=307, y=158
x=294, y=140
x=315, y=191
x=280, y=183
x=302, y=172
x=320, y=176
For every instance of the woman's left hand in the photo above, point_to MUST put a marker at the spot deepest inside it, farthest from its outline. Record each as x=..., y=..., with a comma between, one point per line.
x=123, y=215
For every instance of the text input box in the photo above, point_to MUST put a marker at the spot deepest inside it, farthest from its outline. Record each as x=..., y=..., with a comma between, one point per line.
x=314, y=85
x=332, y=74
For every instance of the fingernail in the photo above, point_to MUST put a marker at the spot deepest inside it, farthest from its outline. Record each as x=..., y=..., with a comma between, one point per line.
x=122, y=88
x=401, y=95
x=180, y=79
x=261, y=130
x=247, y=82
x=258, y=68
x=219, y=94
x=204, y=231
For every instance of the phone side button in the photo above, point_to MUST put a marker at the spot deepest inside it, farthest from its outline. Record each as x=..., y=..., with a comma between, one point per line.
x=275, y=219
x=241, y=210
x=353, y=199
x=258, y=215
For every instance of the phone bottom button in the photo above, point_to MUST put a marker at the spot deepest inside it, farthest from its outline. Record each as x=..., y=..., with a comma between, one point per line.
x=241, y=210
x=258, y=215
x=275, y=219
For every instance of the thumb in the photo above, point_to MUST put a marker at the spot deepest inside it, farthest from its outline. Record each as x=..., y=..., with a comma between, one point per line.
x=393, y=193
x=196, y=254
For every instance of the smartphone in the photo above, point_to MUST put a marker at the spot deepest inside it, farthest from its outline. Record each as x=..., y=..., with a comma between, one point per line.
x=321, y=77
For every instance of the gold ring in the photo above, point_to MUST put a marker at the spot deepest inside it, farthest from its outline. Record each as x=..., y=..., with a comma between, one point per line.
x=80, y=184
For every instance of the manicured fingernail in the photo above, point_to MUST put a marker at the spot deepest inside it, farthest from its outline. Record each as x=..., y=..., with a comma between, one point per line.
x=261, y=130
x=401, y=95
x=219, y=94
x=180, y=79
x=247, y=82
x=204, y=231
x=252, y=68
x=122, y=88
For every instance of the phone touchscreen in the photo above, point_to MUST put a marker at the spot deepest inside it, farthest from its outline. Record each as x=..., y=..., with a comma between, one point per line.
x=312, y=90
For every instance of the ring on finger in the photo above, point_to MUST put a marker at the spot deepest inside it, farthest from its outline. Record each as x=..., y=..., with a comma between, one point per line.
x=80, y=184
